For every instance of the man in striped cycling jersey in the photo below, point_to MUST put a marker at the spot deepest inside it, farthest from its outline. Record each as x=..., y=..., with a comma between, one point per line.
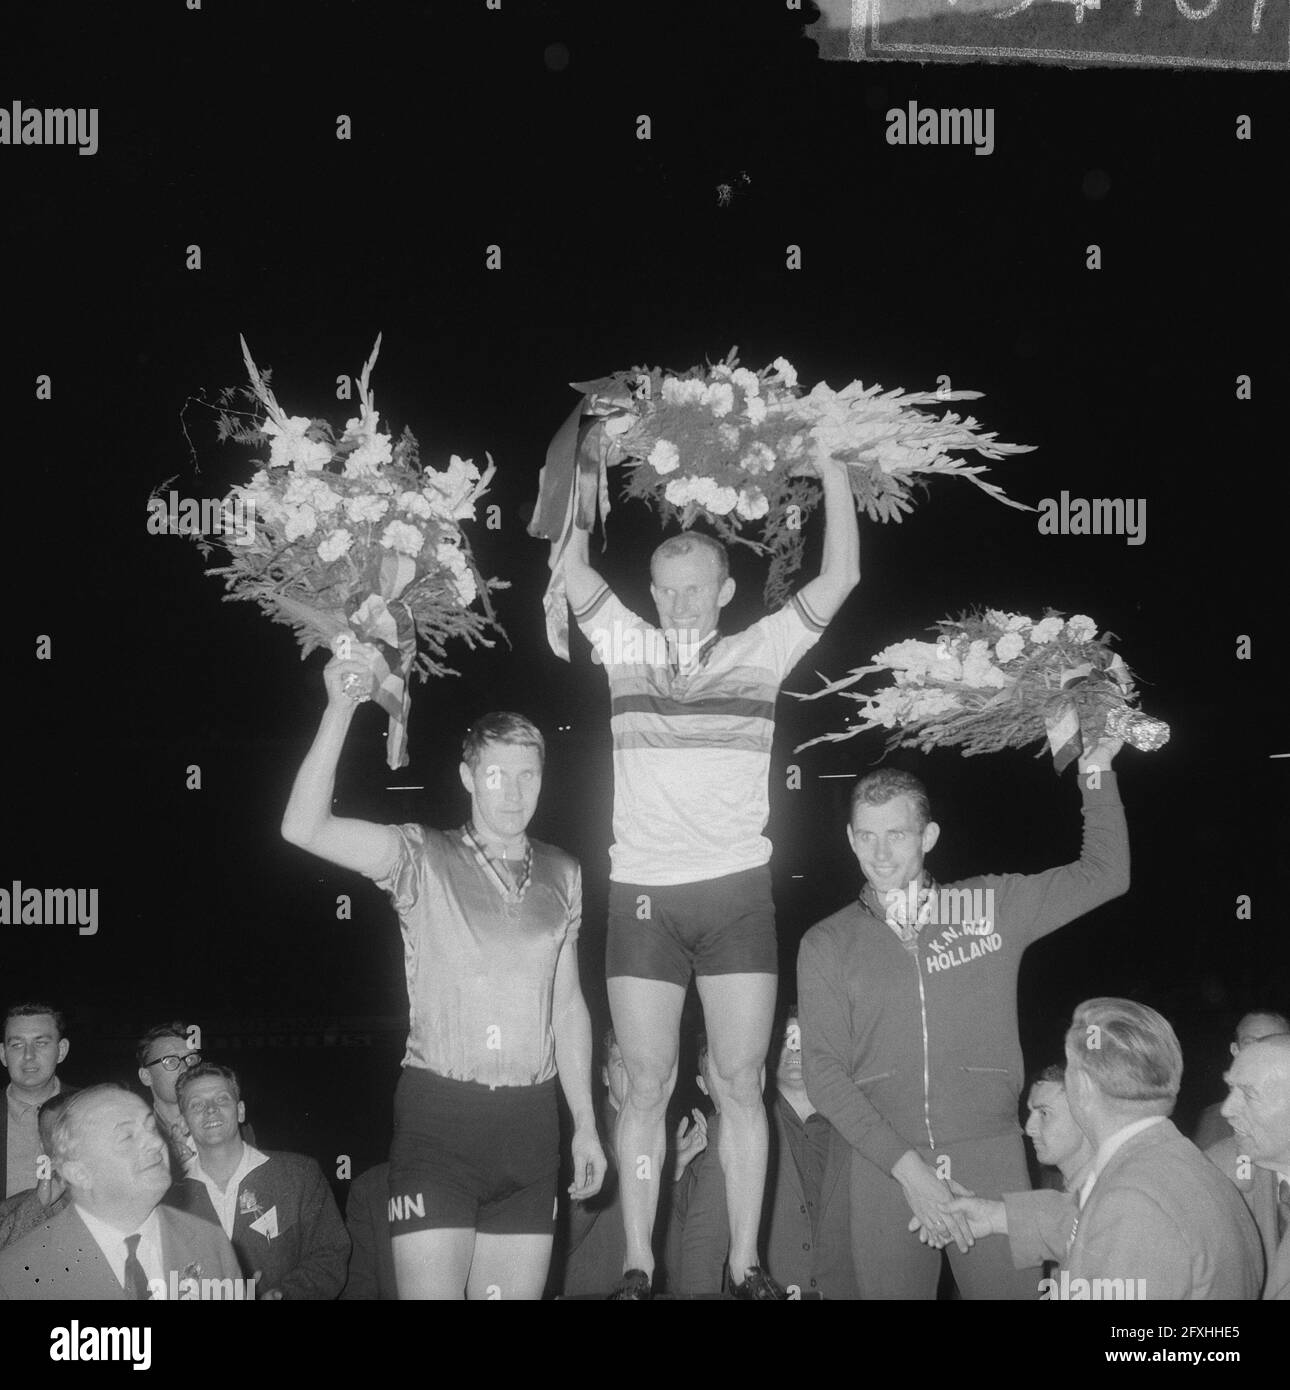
x=693, y=716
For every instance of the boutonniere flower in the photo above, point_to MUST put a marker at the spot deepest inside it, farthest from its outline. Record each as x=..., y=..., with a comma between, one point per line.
x=248, y=1204
x=189, y=1282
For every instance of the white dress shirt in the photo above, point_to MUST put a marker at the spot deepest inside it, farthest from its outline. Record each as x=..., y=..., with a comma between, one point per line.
x=225, y=1202
x=111, y=1241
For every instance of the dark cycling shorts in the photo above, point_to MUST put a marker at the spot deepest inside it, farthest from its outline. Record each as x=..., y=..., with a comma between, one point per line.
x=720, y=926
x=467, y=1157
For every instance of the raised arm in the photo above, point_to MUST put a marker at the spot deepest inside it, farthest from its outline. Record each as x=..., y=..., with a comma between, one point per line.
x=1040, y=903
x=840, y=570
x=308, y=822
x=580, y=580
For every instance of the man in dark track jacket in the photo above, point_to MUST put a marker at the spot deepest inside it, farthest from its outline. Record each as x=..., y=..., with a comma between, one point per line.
x=909, y=1026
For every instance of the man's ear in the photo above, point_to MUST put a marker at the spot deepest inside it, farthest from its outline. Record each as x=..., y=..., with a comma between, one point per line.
x=726, y=592
x=241, y=1112
x=1234, y=1049
x=931, y=833
x=145, y=1078
x=851, y=838
x=63, y=1045
x=467, y=777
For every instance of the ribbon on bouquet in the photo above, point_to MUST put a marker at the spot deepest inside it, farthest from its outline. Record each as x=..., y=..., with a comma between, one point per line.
x=1069, y=735
x=579, y=448
x=385, y=624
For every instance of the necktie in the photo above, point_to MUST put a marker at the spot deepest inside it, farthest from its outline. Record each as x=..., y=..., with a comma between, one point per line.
x=136, y=1281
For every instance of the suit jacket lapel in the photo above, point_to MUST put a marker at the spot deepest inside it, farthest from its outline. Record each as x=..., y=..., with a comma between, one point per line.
x=75, y=1239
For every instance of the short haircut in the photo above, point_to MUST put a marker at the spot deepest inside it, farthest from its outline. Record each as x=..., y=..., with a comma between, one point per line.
x=687, y=544
x=33, y=1010
x=201, y=1071
x=1054, y=1075
x=47, y=1113
x=1129, y=1050
x=887, y=783
x=177, y=1029
x=501, y=727
x=1274, y=1014
x=65, y=1132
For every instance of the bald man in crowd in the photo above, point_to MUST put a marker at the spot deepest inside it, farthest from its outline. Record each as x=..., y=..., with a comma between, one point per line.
x=1257, y=1156
x=112, y=1241
x=1211, y=1126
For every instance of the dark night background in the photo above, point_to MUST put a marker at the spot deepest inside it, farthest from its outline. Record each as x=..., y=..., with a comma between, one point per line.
x=518, y=128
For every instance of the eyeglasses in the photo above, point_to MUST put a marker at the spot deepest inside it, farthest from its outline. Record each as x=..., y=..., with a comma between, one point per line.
x=173, y=1061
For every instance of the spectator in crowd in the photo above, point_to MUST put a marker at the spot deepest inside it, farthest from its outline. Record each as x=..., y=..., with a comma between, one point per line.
x=1211, y=1126
x=808, y=1204
x=1061, y=1146
x=112, y=1239
x=25, y=1211
x=162, y=1055
x=1153, y=1218
x=35, y=1046
x=367, y=1219
x=1257, y=1156
x=597, y=1244
x=275, y=1207
x=909, y=1025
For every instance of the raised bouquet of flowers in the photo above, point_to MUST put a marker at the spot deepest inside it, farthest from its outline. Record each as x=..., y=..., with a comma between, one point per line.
x=737, y=447
x=347, y=536
x=996, y=680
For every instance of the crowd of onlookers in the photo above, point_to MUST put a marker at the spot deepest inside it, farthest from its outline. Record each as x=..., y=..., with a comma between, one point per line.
x=170, y=1178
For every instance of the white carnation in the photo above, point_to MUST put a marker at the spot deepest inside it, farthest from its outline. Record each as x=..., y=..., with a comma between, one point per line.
x=366, y=508
x=719, y=398
x=301, y=521
x=721, y=500
x=1046, y=631
x=334, y=545
x=746, y=381
x=787, y=372
x=415, y=503
x=400, y=536
x=1009, y=645
x=1081, y=628
x=753, y=503
x=288, y=444
x=664, y=457
x=760, y=458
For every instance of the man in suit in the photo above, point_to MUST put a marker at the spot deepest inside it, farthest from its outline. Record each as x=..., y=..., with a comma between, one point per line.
x=113, y=1240
x=23, y=1212
x=807, y=1208
x=371, y=1260
x=1211, y=1124
x=1153, y=1218
x=1257, y=1157
x=276, y=1208
x=35, y=1044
